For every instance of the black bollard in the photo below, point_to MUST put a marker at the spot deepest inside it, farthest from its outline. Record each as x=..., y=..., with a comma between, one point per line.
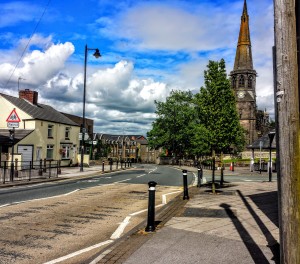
x=151, y=208
x=111, y=163
x=117, y=164
x=200, y=174
x=102, y=166
x=222, y=176
x=185, y=186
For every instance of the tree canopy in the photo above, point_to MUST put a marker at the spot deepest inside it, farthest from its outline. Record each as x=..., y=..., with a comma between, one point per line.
x=194, y=125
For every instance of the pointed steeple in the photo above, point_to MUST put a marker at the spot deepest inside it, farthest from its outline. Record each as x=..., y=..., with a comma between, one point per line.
x=243, y=57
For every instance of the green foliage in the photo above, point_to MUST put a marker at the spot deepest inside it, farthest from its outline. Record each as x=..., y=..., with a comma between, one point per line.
x=194, y=125
x=217, y=109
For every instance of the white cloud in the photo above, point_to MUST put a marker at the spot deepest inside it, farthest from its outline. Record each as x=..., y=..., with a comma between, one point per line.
x=15, y=12
x=38, y=67
x=163, y=27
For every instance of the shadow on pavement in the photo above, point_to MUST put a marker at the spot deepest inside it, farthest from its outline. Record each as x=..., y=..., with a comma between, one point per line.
x=262, y=202
x=254, y=250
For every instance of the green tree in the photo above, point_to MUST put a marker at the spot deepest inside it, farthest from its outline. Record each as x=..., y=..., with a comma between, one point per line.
x=170, y=129
x=217, y=109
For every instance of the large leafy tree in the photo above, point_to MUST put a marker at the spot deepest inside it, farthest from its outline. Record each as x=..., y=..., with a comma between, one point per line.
x=196, y=125
x=170, y=129
x=217, y=109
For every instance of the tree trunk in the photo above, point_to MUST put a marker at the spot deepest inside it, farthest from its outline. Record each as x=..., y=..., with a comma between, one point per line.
x=287, y=130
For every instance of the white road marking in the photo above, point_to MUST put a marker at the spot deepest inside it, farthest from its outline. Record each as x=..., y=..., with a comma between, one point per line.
x=140, y=176
x=117, y=234
x=164, y=197
x=79, y=252
x=123, y=180
x=121, y=228
x=40, y=199
x=101, y=256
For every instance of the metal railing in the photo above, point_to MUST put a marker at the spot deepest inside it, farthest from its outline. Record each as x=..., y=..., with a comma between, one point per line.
x=28, y=170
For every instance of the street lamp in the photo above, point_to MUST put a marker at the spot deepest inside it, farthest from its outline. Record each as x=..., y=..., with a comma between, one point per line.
x=271, y=137
x=20, y=78
x=260, y=146
x=83, y=130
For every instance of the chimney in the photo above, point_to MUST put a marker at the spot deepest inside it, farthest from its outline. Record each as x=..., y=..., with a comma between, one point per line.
x=30, y=96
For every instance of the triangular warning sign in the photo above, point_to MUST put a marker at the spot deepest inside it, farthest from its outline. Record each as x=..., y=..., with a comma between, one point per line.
x=13, y=117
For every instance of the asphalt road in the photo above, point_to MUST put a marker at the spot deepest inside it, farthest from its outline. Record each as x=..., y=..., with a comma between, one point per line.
x=43, y=223
x=142, y=174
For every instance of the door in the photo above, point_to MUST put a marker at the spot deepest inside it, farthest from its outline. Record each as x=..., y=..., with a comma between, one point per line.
x=27, y=155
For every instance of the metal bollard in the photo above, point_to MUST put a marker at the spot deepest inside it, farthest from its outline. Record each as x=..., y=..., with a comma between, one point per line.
x=151, y=208
x=185, y=186
x=200, y=175
x=102, y=166
x=117, y=164
x=222, y=176
x=111, y=163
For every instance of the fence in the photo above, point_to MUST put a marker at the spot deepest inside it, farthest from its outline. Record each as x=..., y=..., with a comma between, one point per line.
x=28, y=170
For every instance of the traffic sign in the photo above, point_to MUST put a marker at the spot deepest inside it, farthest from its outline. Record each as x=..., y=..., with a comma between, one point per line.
x=12, y=125
x=13, y=117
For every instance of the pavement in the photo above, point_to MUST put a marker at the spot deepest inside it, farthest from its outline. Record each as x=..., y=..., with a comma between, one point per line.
x=237, y=223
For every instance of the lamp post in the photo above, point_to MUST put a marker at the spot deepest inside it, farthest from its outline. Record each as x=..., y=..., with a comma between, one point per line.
x=83, y=130
x=271, y=137
x=20, y=78
x=260, y=146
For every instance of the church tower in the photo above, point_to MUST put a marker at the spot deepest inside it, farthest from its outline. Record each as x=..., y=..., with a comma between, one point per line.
x=243, y=80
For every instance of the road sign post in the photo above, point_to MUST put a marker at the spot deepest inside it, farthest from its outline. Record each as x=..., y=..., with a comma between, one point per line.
x=13, y=121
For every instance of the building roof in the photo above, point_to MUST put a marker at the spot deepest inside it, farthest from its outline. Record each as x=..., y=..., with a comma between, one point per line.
x=265, y=142
x=118, y=138
x=19, y=135
x=39, y=111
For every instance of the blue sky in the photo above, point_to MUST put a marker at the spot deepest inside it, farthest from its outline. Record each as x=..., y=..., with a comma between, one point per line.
x=148, y=49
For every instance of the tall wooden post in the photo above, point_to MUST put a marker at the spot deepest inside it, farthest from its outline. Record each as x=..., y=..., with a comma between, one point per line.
x=287, y=97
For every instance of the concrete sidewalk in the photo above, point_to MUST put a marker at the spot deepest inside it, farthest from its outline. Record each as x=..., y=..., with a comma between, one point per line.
x=239, y=224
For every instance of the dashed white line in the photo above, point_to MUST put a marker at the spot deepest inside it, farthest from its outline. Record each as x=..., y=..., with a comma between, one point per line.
x=140, y=176
x=123, y=180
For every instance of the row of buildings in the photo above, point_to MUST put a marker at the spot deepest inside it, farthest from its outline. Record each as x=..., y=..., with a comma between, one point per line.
x=31, y=131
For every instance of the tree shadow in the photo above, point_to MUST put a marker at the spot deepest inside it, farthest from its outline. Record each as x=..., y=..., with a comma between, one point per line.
x=268, y=204
x=271, y=210
x=254, y=250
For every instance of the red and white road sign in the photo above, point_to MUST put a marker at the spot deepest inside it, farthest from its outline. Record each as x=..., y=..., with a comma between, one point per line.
x=13, y=117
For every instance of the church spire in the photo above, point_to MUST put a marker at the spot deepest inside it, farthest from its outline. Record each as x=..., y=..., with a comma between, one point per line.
x=243, y=57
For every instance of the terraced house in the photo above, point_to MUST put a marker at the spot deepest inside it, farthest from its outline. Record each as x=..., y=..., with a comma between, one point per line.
x=42, y=133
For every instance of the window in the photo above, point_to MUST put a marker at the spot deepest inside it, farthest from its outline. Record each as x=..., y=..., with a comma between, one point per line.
x=50, y=131
x=67, y=133
x=250, y=81
x=65, y=152
x=241, y=81
x=233, y=82
x=50, y=151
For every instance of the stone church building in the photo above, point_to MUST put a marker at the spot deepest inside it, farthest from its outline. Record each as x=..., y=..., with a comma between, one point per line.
x=243, y=81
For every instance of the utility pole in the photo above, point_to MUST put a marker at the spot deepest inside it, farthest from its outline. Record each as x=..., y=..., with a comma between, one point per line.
x=287, y=132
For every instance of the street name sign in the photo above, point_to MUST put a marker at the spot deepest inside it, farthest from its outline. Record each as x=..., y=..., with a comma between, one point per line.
x=12, y=125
